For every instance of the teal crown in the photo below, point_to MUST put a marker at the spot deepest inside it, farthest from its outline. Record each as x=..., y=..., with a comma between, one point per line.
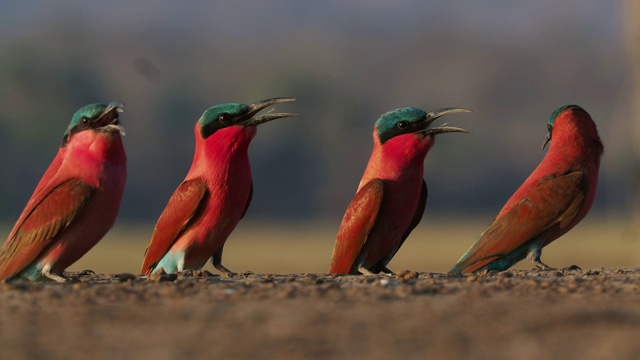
x=560, y=110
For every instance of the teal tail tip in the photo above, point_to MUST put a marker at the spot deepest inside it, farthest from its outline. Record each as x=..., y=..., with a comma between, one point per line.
x=458, y=267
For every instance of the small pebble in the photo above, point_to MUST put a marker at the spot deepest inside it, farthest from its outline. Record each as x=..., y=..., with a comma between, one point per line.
x=407, y=274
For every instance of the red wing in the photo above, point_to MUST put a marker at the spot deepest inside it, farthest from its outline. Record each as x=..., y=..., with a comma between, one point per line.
x=248, y=201
x=180, y=210
x=51, y=171
x=47, y=213
x=555, y=201
x=41, y=189
x=417, y=216
x=356, y=224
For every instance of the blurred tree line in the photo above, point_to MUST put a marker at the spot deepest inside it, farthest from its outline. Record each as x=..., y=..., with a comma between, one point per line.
x=345, y=66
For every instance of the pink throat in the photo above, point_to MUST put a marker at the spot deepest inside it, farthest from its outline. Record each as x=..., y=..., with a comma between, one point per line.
x=400, y=156
x=89, y=152
x=222, y=146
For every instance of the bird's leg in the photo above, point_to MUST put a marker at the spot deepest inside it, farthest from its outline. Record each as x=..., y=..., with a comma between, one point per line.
x=534, y=257
x=223, y=269
x=46, y=272
x=216, y=260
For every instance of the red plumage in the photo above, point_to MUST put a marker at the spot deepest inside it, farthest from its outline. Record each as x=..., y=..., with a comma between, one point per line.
x=208, y=205
x=183, y=206
x=216, y=192
x=74, y=205
x=553, y=199
x=392, y=194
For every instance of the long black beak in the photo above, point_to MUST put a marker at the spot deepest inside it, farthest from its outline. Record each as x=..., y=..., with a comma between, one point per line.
x=252, y=120
x=432, y=116
x=114, y=105
x=548, y=138
x=109, y=120
x=546, y=141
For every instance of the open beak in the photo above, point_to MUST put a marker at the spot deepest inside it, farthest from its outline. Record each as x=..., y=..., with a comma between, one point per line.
x=109, y=121
x=432, y=116
x=251, y=120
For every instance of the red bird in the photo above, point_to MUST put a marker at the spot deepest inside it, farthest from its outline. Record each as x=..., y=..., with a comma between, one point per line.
x=392, y=194
x=76, y=201
x=555, y=197
x=214, y=196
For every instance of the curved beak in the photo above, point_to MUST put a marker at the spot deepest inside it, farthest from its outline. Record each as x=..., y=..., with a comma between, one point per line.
x=432, y=116
x=251, y=120
x=547, y=139
x=109, y=120
x=114, y=105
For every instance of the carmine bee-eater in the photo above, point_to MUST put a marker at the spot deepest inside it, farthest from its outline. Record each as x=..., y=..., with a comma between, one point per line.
x=214, y=196
x=555, y=197
x=392, y=194
x=76, y=201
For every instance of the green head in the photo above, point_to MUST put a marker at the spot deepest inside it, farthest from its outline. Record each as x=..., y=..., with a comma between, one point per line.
x=552, y=119
x=97, y=117
x=225, y=115
x=413, y=120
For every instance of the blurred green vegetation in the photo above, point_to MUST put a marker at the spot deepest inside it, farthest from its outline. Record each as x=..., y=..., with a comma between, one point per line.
x=435, y=245
x=347, y=63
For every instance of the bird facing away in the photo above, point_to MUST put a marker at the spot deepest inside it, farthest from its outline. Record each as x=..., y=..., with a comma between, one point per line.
x=76, y=201
x=215, y=194
x=555, y=197
x=392, y=193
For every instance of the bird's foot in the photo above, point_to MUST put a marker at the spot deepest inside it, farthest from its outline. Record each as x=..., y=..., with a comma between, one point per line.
x=534, y=256
x=542, y=266
x=195, y=273
x=202, y=273
x=224, y=270
x=55, y=277
x=365, y=271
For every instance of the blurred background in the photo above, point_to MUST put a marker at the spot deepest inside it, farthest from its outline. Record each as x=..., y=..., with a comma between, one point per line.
x=512, y=62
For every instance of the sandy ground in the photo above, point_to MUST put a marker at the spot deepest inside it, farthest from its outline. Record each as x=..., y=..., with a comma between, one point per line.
x=518, y=314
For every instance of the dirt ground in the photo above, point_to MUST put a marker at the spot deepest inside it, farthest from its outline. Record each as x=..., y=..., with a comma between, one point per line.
x=518, y=314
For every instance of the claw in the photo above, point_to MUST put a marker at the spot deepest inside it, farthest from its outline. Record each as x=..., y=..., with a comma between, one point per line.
x=534, y=256
x=46, y=272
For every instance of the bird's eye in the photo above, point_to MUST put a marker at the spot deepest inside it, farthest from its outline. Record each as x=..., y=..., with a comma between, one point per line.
x=85, y=120
x=224, y=118
x=550, y=128
x=403, y=125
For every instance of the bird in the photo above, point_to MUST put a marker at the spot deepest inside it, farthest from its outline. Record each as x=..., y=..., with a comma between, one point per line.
x=392, y=193
x=551, y=201
x=76, y=201
x=215, y=194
